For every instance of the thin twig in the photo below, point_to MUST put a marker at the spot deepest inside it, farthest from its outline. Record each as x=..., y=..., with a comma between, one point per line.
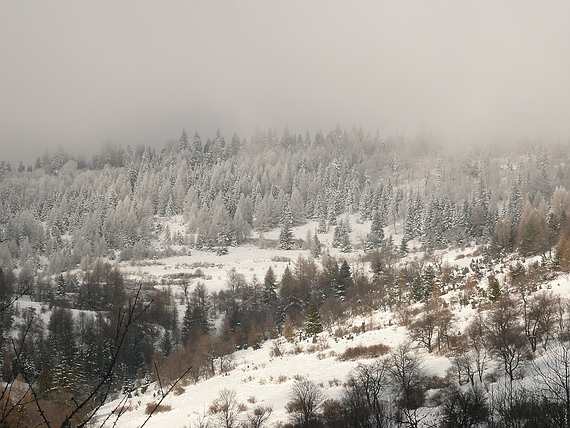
x=165, y=395
x=8, y=388
x=158, y=376
x=15, y=299
x=125, y=324
x=112, y=412
x=37, y=401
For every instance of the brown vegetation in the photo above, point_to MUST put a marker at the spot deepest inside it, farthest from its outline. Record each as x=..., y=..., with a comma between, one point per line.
x=361, y=351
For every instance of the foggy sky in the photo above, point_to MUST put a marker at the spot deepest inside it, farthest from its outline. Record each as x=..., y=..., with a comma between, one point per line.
x=80, y=73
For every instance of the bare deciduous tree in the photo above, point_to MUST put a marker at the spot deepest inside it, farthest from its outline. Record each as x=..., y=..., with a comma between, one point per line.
x=431, y=327
x=464, y=409
x=505, y=334
x=539, y=313
x=365, y=396
x=407, y=379
x=477, y=345
x=257, y=417
x=225, y=409
x=552, y=372
x=305, y=401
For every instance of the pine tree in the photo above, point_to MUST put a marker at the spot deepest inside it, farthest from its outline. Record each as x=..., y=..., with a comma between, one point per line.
x=322, y=228
x=286, y=241
x=377, y=226
x=186, y=329
x=345, y=244
x=297, y=208
x=197, y=142
x=515, y=200
x=316, y=247
x=269, y=289
x=183, y=141
x=61, y=289
x=365, y=204
x=331, y=216
x=196, y=319
x=166, y=343
x=404, y=246
x=344, y=280
x=313, y=325
x=418, y=289
x=337, y=236
x=429, y=280
x=321, y=210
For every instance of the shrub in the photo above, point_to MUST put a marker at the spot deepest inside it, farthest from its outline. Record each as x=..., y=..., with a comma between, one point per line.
x=356, y=352
x=154, y=407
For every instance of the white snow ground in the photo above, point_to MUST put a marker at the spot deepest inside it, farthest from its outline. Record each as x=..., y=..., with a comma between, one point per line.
x=256, y=373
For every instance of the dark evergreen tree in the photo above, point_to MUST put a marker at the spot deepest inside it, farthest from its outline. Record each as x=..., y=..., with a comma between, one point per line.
x=376, y=236
x=63, y=351
x=344, y=280
x=341, y=238
x=316, y=247
x=166, y=343
x=197, y=316
x=270, y=289
x=313, y=324
x=61, y=286
x=286, y=240
x=187, y=325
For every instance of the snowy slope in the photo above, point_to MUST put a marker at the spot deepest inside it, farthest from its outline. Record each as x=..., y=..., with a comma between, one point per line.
x=259, y=378
x=256, y=373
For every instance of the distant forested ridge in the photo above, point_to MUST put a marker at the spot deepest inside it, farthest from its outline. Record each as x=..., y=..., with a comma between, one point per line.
x=64, y=210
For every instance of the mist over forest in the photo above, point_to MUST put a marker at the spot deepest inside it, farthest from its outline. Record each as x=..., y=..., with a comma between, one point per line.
x=285, y=215
x=79, y=75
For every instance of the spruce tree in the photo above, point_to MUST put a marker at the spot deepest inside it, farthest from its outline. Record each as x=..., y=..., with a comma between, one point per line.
x=344, y=280
x=337, y=236
x=166, y=343
x=197, y=315
x=316, y=249
x=269, y=289
x=183, y=141
x=377, y=226
x=321, y=209
x=187, y=325
x=345, y=245
x=60, y=291
x=404, y=246
x=313, y=325
x=197, y=142
x=322, y=228
x=286, y=241
x=331, y=216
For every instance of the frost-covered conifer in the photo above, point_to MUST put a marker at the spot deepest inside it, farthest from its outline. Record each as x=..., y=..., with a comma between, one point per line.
x=344, y=280
x=376, y=236
x=183, y=141
x=316, y=247
x=286, y=240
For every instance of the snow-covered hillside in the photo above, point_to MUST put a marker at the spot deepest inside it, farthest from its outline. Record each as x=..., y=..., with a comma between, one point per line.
x=261, y=376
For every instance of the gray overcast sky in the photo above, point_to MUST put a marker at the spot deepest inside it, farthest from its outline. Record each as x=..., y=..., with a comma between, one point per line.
x=79, y=73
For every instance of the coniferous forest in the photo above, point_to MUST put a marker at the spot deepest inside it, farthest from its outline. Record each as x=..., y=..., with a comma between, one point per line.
x=69, y=224
x=254, y=214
